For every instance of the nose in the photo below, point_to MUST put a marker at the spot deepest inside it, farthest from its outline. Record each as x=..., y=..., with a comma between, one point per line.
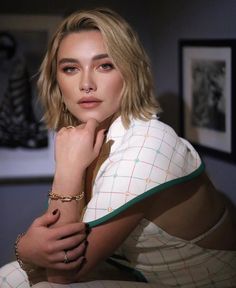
x=87, y=82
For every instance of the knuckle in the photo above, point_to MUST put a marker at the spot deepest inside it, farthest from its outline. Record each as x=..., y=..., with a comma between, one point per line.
x=76, y=253
x=75, y=241
x=49, y=249
x=50, y=259
x=77, y=227
x=59, y=134
x=79, y=250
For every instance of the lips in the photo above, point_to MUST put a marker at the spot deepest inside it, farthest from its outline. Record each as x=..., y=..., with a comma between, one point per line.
x=89, y=102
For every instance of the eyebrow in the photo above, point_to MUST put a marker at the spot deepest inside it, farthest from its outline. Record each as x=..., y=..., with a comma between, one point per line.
x=73, y=60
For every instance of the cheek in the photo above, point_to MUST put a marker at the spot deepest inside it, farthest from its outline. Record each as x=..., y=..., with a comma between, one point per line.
x=61, y=85
x=67, y=88
x=117, y=88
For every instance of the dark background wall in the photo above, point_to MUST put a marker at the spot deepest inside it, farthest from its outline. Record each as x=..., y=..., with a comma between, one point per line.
x=160, y=25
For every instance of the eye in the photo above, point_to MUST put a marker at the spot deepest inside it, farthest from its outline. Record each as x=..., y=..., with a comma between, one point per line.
x=106, y=66
x=69, y=69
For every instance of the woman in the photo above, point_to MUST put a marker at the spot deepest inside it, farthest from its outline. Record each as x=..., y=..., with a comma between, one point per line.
x=152, y=211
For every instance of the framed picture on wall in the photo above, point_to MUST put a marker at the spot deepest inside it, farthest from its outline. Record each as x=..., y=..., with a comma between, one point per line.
x=26, y=146
x=207, y=92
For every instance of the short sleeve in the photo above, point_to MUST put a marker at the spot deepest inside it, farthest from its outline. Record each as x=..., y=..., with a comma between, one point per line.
x=148, y=158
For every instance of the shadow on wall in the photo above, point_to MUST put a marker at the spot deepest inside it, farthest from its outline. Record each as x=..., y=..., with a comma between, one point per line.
x=170, y=105
x=171, y=115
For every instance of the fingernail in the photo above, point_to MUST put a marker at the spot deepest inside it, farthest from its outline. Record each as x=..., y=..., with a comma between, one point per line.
x=54, y=212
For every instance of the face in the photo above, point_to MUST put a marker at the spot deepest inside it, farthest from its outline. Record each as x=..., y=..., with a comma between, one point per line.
x=90, y=83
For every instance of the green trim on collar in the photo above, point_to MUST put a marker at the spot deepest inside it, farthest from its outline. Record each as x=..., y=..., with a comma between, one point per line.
x=146, y=194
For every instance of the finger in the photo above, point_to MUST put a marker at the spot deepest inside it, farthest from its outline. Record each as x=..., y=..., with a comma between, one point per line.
x=70, y=265
x=77, y=252
x=99, y=141
x=70, y=229
x=61, y=130
x=47, y=219
x=91, y=125
x=81, y=126
x=72, y=254
x=70, y=242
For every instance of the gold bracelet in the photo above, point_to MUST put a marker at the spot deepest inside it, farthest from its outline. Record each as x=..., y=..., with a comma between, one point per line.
x=28, y=268
x=54, y=196
x=23, y=266
x=16, y=251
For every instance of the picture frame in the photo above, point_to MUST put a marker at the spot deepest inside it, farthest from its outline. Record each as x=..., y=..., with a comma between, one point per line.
x=207, y=69
x=32, y=33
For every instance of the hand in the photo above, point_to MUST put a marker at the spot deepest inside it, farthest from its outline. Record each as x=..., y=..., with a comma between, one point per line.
x=76, y=148
x=80, y=143
x=45, y=246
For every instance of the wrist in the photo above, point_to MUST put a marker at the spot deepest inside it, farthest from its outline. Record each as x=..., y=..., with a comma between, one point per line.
x=65, y=198
x=19, y=253
x=64, y=185
x=29, y=268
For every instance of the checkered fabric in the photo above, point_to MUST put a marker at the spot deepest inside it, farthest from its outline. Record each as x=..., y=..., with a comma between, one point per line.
x=142, y=160
x=176, y=262
x=138, y=162
x=12, y=276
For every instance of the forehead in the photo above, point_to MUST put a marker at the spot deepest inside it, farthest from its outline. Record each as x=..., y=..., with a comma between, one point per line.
x=85, y=42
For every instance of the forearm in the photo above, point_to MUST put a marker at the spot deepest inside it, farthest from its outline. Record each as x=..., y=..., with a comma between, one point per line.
x=76, y=148
x=70, y=211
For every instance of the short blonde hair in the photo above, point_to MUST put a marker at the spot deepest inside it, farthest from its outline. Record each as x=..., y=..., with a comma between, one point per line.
x=123, y=46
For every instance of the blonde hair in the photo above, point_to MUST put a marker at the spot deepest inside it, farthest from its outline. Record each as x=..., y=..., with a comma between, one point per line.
x=123, y=46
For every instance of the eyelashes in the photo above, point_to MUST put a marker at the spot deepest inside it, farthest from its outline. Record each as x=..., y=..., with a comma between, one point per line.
x=71, y=69
x=107, y=66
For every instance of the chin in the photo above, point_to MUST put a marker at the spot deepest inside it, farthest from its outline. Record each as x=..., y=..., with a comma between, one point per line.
x=99, y=119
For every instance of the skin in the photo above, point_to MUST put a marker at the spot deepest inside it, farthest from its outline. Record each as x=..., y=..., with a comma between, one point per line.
x=81, y=68
x=83, y=64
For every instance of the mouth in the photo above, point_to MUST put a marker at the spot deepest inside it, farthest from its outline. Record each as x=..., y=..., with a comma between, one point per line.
x=89, y=102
